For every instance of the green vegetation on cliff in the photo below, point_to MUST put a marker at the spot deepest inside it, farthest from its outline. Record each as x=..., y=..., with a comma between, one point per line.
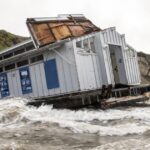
x=8, y=39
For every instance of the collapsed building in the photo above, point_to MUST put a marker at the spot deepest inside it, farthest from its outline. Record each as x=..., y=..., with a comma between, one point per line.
x=67, y=54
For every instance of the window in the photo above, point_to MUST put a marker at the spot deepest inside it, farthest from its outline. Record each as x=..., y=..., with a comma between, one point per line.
x=86, y=44
x=36, y=58
x=19, y=51
x=79, y=44
x=22, y=63
x=92, y=44
x=9, y=67
x=8, y=55
x=31, y=47
x=1, y=58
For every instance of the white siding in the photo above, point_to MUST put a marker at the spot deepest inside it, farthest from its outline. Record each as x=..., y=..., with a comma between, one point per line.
x=88, y=68
x=34, y=81
x=80, y=70
x=104, y=59
x=66, y=68
x=128, y=70
x=67, y=75
x=14, y=83
x=86, y=74
x=132, y=68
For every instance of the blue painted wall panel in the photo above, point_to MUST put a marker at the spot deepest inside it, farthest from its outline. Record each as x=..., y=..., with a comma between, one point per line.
x=4, y=88
x=51, y=74
x=25, y=80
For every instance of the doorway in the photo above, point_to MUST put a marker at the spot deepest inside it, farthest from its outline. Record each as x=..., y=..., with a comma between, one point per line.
x=115, y=51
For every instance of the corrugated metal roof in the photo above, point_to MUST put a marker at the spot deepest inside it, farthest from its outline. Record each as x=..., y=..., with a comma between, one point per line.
x=50, y=30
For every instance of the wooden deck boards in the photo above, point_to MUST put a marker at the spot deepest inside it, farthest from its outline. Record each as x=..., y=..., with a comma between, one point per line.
x=123, y=101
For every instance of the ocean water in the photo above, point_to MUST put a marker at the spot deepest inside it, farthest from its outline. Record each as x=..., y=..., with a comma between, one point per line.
x=25, y=127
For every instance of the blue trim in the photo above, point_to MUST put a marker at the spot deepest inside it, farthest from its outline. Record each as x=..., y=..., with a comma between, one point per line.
x=25, y=80
x=4, y=88
x=51, y=74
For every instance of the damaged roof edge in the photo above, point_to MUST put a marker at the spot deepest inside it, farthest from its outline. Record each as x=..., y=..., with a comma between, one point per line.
x=45, y=31
x=60, y=17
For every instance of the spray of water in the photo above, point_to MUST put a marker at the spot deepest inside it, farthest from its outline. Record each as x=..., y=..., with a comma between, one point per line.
x=14, y=114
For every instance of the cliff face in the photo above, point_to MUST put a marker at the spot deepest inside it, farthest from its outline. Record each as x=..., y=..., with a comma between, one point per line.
x=144, y=64
x=8, y=39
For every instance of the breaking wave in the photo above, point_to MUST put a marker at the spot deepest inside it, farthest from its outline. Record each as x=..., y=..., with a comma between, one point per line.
x=121, y=145
x=14, y=113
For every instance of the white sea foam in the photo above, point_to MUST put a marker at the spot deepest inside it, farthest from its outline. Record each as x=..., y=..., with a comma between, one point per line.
x=131, y=144
x=14, y=113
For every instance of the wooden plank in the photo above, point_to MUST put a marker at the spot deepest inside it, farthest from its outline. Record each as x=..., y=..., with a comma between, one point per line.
x=61, y=32
x=76, y=30
x=43, y=33
x=123, y=101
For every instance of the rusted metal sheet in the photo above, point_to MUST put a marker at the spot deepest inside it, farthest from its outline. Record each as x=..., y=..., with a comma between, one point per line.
x=49, y=30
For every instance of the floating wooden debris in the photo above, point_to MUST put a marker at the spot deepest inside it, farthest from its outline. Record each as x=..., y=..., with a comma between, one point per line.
x=124, y=101
x=98, y=99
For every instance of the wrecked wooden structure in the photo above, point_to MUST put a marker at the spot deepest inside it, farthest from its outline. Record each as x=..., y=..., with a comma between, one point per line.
x=49, y=30
x=68, y=57
x=101, y=98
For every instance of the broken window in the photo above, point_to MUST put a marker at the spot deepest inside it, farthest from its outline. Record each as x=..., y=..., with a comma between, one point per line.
x=88, y=45
x=23, y=63
x=9, y=67
x=130, y=53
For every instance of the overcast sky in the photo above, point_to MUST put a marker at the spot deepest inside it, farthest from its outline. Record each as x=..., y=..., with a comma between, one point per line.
x=131, y=17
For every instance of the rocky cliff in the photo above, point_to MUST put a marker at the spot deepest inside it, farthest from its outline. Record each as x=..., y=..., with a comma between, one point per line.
x=144, y=65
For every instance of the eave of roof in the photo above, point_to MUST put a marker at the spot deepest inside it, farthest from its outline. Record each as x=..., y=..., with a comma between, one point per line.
x=15, y=46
